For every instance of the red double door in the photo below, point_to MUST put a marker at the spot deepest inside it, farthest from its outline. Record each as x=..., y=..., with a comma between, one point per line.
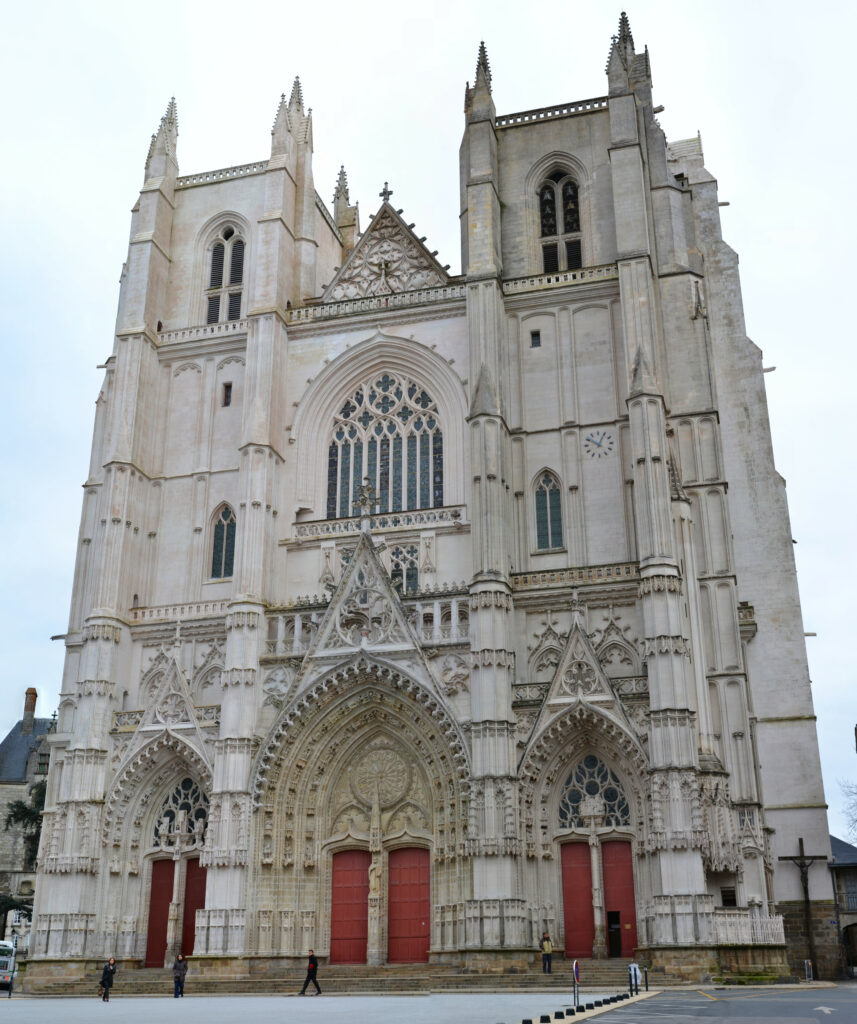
x=619, y=904
x=409, y=906
x=163, y=872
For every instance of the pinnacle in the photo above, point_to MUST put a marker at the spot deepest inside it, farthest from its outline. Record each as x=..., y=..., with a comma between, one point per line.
x=482, y=65
x=297, y=96
x=624, y=33
x=341, y=190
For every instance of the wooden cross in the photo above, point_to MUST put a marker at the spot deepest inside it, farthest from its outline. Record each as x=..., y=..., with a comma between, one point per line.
x=385, y=192
x=804, y=863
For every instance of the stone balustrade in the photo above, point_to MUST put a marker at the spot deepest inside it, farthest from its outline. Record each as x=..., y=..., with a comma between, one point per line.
x=588, y=574
x=551, y=113
x=205, y=332
x=222, y=174
x=422, y=519
x=395, y=300
x=173, y=612
x=740, y=927
x=561, y=279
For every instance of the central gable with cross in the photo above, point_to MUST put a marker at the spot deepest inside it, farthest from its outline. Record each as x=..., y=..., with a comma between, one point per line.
x=389, y=258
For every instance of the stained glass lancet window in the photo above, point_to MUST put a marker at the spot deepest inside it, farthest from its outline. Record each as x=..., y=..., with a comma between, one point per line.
x=387, y=430
x=223, y=546
x=593, y=779
x=548, y=513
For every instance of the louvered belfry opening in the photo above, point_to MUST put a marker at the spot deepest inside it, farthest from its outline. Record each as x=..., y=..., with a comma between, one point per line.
x=222, y=297
x=559, y=223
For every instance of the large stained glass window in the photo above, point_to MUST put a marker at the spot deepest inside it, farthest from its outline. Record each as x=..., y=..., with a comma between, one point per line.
x=593, y=779
x=387, y=430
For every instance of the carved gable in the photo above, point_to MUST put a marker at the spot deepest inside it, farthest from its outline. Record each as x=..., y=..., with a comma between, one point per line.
x=389, y=258
x=365, y=613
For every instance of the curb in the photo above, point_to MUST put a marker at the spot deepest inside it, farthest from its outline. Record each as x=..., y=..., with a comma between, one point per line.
x=589, y=1011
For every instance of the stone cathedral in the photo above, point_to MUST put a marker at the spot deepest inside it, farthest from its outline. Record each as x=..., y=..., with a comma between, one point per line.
x=415, y=614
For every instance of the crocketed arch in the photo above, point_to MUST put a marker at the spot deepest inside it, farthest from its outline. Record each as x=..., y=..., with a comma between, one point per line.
x=325, y=397
x=358, y=683
x=561, y=745
x=145, y=772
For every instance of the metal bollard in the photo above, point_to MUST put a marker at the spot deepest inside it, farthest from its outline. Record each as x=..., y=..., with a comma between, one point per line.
x=646, y=975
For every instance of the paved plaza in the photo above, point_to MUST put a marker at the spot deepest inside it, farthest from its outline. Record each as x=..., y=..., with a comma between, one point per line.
x=482, y=1008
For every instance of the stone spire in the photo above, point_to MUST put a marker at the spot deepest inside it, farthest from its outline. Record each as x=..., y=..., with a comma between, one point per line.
x=347, y=217
x=163, y=145
x=281, y=128
x=340, y=193
x=296, y=100
x=483, y=68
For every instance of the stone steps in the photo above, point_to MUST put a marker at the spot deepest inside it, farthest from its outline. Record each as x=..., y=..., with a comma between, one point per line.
x=604, y=975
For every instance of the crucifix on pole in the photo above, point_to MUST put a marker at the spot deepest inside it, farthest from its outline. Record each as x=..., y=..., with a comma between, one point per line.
x=804, y=863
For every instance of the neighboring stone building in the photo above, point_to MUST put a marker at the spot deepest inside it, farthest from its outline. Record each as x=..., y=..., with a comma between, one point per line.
x=843, y=867
x=24, y=759
x=415, y=613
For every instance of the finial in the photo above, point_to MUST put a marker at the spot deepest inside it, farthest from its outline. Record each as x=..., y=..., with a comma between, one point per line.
x=297, y=96
x=624, y=33
x=482, y=65
x=341, y=190
x=385, y=193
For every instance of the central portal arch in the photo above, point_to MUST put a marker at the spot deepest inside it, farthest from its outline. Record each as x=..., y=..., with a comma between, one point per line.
x=367, y=812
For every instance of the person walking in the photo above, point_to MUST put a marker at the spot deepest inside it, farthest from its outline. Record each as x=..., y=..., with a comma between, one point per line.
x=547, y=953
x=107, y=979
x=311, y=971
x=636, y=976
x=179, y=973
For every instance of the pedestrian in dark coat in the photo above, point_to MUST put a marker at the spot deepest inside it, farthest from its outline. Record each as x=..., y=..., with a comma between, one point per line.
x=179, y=973
x=107, y=979
x=547, y=953
x=311, y=971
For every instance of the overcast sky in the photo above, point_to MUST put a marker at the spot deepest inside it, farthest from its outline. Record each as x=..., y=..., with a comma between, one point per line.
x=769, y=86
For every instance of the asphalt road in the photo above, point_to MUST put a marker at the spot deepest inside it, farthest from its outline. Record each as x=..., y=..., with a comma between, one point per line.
x=795, y=1006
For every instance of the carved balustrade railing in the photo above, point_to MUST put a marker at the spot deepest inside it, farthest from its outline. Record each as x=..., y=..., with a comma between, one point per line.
x=373, y=303
x=172, y=612
x=560, y=279
x=421, y=519
x=736, y=927
x=551, y=113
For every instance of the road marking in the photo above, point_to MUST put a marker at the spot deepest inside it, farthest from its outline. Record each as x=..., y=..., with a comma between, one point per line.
x=826, y=1010
x=707, y=996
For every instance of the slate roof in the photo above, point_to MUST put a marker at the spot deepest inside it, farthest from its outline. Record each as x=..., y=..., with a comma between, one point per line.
x=844, y=854
x=15, y=749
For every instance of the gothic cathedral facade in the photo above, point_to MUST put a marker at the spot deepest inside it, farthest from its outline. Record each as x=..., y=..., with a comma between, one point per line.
x=416, y=614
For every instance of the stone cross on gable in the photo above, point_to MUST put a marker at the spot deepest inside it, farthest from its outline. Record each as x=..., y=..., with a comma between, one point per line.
x=385, y=192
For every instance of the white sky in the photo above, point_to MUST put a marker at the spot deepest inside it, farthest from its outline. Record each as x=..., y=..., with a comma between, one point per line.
x=769, y=85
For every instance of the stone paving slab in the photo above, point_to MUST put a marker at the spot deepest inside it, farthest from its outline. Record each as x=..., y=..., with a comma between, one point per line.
x=482, y=1008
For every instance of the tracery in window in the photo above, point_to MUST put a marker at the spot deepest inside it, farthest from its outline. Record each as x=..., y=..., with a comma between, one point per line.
x=223, y=544
x=387, y=431
x=184, y=814
x=223, y=298
x=404, y=568
x=548, y=513
x=593, y=780
x=561, y=240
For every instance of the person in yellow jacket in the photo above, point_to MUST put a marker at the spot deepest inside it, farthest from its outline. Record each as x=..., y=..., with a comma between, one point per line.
x=547, y=953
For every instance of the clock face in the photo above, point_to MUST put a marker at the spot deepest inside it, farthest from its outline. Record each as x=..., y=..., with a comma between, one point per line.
x=598, y=444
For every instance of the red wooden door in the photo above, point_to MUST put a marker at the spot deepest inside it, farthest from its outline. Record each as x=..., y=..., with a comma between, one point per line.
x=577, y=899
x=349, y=907
x=409, y=902
x=194, y=899
x=619, y=890
x=159, y=912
